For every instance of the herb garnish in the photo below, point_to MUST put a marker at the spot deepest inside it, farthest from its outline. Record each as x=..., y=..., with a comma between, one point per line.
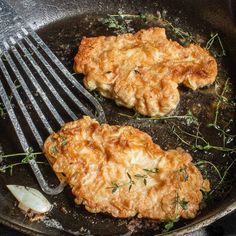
x=184, y=173
x=189, y=118
x=200, y=142
x=205, y=146
x=223, y=132
x=53, y=149
x=131, y=182
x=169, y=225
x=64, y=141
x=154, y=170
x=184, y=204
x=115, y=186
x=187, y=36
x=118, y=22
x=28, y=156
x=216, y=38
x=144, y=177
x=222, y=177
x=98, y=96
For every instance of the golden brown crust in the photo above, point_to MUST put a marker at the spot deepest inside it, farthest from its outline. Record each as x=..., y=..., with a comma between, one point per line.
x=143, y=70
x=94, y=158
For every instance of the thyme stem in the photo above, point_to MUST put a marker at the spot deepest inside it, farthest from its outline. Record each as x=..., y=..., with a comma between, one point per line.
x=219, y=102
x=207, y=145
x=223, y=177
x=19, y=154
x=211, y=41
x=4, y=168
x=210, y=163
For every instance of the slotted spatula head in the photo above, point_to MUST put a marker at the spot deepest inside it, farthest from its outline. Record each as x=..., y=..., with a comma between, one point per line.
x=27, y=62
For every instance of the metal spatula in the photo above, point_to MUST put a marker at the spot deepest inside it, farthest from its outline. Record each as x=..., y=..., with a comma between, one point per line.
x=26, y=61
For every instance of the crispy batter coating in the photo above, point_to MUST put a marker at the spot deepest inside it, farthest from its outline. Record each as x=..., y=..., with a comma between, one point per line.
x=143, y=70
x=119, y=170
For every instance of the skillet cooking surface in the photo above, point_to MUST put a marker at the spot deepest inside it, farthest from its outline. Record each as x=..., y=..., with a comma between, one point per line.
x=63, y=37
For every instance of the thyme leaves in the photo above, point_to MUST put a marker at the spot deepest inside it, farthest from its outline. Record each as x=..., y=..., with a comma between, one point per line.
x=64, y=141
x=115, y=186
x=144, y=177
x=185, y=36
x=183, y=203
x=120, y=23
x=27, y=157
x=223, y=131
x=184, y=174
x=154, y=170
x=169, y=225
x=53, y=150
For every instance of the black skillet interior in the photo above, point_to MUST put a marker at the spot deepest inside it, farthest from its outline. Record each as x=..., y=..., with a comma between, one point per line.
x=61, y=25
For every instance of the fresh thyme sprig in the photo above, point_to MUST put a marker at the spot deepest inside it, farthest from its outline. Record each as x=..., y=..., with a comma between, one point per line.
x=177, y=201
x=118, y=22
x=221, y=176
x=204, y=146
x=223, y=132
x=216, y=38
x=189, y=118
x=184, y=35
x=28, y=156
x=204, y=162
x=115, y=186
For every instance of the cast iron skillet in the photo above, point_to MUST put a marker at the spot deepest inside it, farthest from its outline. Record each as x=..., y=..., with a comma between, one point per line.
x=62, y=24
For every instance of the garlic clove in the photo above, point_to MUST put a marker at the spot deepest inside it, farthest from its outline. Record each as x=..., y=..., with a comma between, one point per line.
x=30, y=198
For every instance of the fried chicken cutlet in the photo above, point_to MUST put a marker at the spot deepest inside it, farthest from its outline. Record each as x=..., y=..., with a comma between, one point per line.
x=143, y=70
x=119, y=170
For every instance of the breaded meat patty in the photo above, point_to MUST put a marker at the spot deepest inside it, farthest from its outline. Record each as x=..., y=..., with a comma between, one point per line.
x=119, y=170
x=143, y=70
